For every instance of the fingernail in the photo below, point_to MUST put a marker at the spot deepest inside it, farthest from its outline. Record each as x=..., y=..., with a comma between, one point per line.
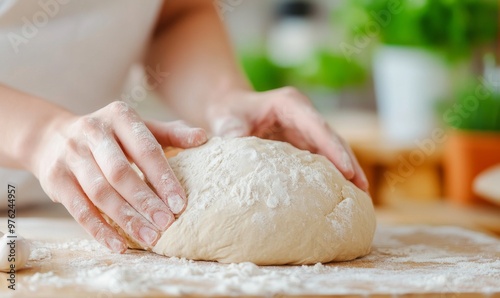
x=176, y=203
x=148, y=235
x=161, y=219
x=347, y=162
x=202, y=137
x=116, y=245
x=192, y=136
x=365, y=182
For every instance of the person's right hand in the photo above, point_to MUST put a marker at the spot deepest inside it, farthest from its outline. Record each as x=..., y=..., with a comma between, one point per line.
x=83, y=163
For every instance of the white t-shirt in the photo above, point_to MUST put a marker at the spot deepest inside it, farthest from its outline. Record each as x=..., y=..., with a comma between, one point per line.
x=74, y=53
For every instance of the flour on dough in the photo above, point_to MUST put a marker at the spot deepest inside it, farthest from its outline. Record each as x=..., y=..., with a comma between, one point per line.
x=266, y=202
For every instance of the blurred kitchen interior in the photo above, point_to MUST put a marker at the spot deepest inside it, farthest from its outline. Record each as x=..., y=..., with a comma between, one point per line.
x=413, y=86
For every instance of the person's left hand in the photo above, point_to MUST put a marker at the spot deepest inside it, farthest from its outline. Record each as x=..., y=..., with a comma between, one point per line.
x=287, y=115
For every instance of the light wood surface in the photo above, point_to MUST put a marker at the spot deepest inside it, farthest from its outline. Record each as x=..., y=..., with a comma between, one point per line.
x=393, y=241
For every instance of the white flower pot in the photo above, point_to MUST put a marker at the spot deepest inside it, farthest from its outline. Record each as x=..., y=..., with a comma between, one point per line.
x=408, y=82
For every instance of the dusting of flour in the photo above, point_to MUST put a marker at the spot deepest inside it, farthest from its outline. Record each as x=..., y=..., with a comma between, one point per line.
x=269, y=174
x=399, y=264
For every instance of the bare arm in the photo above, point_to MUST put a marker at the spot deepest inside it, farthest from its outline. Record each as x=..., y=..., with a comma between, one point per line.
x=206, y=87
x=191, y=45
x=83, y=163
x=24, y=121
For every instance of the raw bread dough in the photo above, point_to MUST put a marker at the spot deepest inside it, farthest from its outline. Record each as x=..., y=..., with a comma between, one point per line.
x=266, y=202
x=20, y=253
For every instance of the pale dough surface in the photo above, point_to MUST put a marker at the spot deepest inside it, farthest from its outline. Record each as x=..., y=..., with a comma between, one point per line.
x=266, y=202
x=17, y=254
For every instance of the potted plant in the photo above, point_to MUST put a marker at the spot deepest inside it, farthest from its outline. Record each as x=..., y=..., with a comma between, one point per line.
x=473, y=144
x=326, y=75
x=321, y=75
x=262, y=73
x=419, y=42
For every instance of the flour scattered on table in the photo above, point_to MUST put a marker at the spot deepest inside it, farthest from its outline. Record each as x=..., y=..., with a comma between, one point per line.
x=39, y=251
x=399, y=264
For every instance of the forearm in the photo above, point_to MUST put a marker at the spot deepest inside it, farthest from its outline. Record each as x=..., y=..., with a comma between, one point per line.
x=24, y=120
x=194, y=50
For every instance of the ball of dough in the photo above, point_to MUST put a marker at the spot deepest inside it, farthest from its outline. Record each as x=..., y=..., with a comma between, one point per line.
x=266, y=202
x=18, y=253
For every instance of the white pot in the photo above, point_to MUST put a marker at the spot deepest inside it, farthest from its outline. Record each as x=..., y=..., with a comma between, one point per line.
x=408, y=82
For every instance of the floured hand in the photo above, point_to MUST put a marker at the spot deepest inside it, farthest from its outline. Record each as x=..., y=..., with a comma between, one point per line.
x=83, y=162
x=284, y=114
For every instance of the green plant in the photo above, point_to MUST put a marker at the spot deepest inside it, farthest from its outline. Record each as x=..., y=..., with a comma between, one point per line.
x=330, y=70
x=323, y=69
x=474, y=108
x=261, y=72
x=456, y=27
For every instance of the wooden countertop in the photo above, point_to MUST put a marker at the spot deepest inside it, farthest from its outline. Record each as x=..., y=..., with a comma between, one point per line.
x=407, y=260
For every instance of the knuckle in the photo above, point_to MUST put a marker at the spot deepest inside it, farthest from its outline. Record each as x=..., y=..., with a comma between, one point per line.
x=149, y=149
x=324, y=124
x=100, y=233
x=73, y=152
x=120, y=169
x=71, y=145
x=122, y=109
x=80, y=212
x=143, y=203
x=289, y=91
x=131, y=222
x=99, y=190
x=93, y=128
x=89, y=123
x=54, y=172
x=83, y=214
x=98, y=230
x=131, y=225
x=119, y=107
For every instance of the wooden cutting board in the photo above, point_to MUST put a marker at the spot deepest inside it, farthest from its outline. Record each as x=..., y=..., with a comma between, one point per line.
x=421, y=261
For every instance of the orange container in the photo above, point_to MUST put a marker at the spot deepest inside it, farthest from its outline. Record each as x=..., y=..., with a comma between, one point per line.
x=466, y=155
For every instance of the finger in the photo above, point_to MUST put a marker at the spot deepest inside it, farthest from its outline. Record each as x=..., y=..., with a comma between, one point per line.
x=299, y=115
x=119, y=173
x=331, y=146
x=359, y=179
x=87, y=215
x=177, y=134
x=145, y=151
x=105, y=197
x=230, y=126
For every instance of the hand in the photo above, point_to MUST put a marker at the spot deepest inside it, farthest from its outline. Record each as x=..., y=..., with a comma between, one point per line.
x=286, y=115
x=83, y=163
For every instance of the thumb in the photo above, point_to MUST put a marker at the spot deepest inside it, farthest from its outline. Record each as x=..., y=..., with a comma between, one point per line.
x=177, y=134
x=230, y=126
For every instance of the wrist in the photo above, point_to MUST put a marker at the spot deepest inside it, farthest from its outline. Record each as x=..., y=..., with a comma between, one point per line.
x=229, y=113
x=40, y=133
x=224, y=100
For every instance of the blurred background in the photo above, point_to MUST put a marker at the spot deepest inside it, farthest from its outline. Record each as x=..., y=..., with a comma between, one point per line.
x=413, y=86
